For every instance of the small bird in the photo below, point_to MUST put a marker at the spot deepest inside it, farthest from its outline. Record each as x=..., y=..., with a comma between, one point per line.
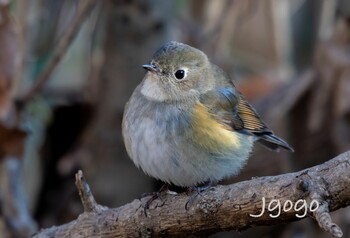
x=186, y=124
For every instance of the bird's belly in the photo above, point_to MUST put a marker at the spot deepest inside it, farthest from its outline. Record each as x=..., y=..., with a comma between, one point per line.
x=166, y=149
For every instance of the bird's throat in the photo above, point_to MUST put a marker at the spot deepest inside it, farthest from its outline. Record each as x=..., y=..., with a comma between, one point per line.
x=152, y=90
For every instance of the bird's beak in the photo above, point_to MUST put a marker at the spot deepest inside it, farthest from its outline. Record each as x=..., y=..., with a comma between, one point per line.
x=150, y=67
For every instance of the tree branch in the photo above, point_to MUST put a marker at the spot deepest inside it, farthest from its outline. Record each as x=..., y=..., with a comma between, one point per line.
x=13, y=205
x=231, y=207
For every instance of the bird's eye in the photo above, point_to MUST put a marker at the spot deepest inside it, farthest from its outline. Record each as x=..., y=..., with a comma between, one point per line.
x=180, y=74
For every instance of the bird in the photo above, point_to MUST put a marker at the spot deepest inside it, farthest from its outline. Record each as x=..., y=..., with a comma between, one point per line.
x=186, y=123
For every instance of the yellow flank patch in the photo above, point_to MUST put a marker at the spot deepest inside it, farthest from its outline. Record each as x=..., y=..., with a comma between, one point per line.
x=210, y=134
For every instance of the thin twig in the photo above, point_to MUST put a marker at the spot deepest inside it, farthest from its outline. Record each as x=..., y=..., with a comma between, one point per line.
x=87, y=199
x=324, y=219
x=64, y=43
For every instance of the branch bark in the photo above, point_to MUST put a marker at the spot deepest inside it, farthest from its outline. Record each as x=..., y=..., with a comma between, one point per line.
x=325, y=187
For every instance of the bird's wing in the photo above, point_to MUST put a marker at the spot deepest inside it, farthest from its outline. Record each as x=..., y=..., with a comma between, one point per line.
x=231, y=109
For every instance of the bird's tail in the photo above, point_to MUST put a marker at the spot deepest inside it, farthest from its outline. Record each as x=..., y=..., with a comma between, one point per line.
x=273, y=142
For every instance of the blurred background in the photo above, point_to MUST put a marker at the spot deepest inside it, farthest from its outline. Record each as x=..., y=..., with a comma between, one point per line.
x=67, y=68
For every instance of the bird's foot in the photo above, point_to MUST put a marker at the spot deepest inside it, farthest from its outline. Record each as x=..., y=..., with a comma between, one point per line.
x=197, y=191
x=154, y=196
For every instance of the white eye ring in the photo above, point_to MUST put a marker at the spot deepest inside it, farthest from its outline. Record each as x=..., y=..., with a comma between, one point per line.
x=180, y=74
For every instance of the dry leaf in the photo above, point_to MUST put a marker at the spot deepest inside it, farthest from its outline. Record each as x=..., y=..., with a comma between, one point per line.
x=11, y=142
